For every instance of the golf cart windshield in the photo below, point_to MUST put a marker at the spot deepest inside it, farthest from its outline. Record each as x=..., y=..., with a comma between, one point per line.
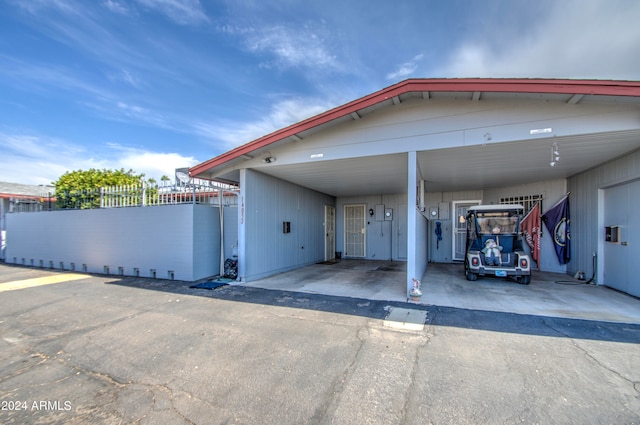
x=497, y=222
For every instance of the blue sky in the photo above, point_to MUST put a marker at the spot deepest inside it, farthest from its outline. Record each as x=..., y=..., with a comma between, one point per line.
x=153, y=85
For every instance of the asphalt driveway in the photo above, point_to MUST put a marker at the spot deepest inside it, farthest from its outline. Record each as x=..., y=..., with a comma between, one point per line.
x=97, y=349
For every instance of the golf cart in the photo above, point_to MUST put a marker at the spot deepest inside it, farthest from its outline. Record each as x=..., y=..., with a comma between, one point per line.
x=494, y=243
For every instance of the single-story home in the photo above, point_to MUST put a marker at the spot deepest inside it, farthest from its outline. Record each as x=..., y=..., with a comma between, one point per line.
x=390, y=175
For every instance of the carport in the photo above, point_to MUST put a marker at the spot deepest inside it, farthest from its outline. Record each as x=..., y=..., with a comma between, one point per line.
x=436, y=145
x=549, y=294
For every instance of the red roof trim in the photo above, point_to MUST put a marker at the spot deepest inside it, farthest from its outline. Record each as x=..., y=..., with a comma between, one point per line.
x=22, y=196
x=586, y=87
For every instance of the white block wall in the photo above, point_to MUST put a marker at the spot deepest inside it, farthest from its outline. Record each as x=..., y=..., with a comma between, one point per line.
x=177, y=241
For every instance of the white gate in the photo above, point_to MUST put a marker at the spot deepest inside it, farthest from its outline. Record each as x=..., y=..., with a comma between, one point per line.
x=355, y=231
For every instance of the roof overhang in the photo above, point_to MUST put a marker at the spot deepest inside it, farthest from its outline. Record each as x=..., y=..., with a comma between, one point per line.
x=571, y=92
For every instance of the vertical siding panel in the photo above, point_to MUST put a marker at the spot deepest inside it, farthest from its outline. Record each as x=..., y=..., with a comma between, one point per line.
x=272, y=201
x=584, y=188
x=381, y=240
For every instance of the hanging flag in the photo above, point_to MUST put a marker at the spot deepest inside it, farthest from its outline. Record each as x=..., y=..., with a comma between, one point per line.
x=557, y=220
x=530, y=226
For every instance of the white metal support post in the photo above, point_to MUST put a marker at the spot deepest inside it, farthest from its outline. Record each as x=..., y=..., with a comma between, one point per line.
x=242, y=241
x=411, y=219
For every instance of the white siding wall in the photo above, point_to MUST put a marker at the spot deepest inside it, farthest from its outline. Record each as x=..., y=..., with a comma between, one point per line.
x=268, y=202
x=586, y=232
x=179, y=238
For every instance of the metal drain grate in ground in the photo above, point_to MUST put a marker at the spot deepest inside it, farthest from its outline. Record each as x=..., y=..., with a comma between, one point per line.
x=405, y=319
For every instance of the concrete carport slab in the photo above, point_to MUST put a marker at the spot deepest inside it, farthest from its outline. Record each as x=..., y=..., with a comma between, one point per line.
x=367, y=279
x=549, y=294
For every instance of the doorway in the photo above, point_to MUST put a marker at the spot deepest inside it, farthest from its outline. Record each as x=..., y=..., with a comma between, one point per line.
x=330, y=233
x=459, y=227
x=619, y=203
x=355, y=231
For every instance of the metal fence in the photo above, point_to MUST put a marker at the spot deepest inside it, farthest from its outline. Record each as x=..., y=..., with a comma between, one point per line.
x=148, y=195
x=140, y=195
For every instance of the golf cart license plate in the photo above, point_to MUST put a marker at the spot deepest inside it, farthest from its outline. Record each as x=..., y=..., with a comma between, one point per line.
x=501, y=273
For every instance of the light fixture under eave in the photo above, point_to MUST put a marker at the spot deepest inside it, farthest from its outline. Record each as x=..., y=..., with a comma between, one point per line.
x=555, y=154
x=269, y=159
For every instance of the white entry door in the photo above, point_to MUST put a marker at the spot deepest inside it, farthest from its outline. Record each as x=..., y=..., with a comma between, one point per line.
x=459, y=225
x=620, y=204
x=355, y=236
x=330, y=233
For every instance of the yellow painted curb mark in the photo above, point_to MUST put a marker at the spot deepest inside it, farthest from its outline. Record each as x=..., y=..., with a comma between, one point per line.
x=40, y=281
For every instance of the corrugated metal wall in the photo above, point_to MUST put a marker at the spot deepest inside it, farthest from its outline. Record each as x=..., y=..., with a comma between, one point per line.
x=268, y=202
x=586, y=231
x=183, y=239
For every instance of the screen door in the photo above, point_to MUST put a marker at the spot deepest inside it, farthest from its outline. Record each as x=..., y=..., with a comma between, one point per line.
x=354, y=231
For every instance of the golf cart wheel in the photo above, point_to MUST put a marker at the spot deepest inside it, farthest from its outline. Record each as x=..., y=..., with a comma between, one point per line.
x=524, y=280
x=470, y=275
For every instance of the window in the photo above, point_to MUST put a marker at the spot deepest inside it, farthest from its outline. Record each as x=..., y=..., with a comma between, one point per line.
x=527, y=201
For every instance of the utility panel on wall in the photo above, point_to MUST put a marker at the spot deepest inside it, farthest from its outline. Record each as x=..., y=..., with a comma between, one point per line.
x=388, y=214
x=380, y=212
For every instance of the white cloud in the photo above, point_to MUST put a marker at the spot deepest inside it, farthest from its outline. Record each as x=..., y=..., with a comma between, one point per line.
x=282, y=114
x=576, y=39
x=307, y=46
x=180, y=11
x=35, y=6
x=152, y=164
x=34, y=159
x=126, y=77
x=116, y=7
x=406, y=69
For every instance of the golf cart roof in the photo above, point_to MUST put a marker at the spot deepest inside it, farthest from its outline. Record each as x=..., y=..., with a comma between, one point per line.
x=502, y=207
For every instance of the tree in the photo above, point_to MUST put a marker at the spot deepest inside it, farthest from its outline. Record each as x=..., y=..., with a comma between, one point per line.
x=80, y=189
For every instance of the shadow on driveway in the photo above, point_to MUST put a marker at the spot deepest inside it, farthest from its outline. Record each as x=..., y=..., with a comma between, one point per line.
x=436, y=315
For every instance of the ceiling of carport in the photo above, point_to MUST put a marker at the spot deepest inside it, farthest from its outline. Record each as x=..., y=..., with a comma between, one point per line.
x=513, y=163
x=348, y=177
x=463, y=168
